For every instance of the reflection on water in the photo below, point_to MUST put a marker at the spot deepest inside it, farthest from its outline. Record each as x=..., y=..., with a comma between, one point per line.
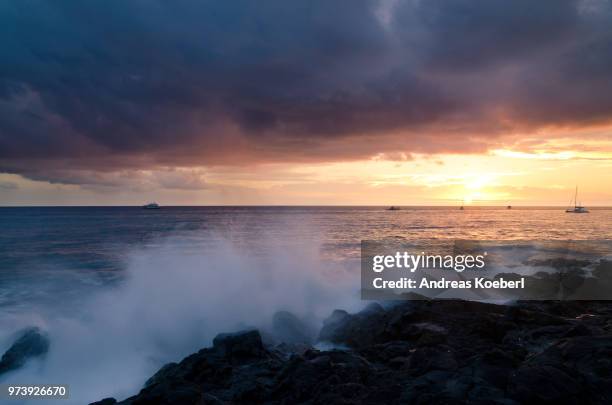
x=87, y=246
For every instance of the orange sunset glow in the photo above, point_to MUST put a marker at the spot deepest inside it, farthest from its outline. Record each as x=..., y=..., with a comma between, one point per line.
x=398, y=103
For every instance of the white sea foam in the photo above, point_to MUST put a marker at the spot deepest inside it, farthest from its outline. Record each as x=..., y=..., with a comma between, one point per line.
x=176, y=296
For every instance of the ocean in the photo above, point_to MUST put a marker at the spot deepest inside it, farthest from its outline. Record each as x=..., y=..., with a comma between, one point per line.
x=122, y=290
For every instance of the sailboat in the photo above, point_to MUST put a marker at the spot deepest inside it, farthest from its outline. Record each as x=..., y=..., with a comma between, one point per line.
x=578, y=209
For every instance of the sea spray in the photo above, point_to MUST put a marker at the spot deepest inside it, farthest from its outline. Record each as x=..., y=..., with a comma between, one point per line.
x=177, y=294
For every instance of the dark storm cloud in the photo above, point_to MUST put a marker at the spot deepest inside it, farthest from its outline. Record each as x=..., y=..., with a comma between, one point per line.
x=459, y=34
x=126, y=84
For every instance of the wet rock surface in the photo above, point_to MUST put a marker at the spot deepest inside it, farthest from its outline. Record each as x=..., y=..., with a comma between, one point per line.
x=30, y=343
x=421, y=352
x=288, y=328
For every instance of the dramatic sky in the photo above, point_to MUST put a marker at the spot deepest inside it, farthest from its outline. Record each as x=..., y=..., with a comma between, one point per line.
x=305, y=102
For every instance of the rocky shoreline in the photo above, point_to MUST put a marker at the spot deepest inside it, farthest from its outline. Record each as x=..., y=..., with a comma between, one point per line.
x=420, y=352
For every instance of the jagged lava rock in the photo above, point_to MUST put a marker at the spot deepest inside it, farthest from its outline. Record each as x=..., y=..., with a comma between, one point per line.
x=288, y=328
x=31, y=343
x=433, y=352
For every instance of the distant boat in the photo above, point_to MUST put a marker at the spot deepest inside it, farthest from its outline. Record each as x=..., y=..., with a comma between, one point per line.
x=393, y=208
x=151, y=206
x=578, y=209
x=509, y=207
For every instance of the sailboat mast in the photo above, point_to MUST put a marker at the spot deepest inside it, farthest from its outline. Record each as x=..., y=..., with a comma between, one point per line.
x=576, y=197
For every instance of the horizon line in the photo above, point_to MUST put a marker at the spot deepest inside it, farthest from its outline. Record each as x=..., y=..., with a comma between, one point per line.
x=302, y=205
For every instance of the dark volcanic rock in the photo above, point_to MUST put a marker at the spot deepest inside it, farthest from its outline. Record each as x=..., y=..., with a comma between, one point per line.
x=288, y=328
x=241, y=344
x=105, y=401
x=425, y=352
x=236, y=368
x=568, y=371
x=333, y=324
x=541, y=383
x=31, y=343
x=328, y=377
x=356, y=330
